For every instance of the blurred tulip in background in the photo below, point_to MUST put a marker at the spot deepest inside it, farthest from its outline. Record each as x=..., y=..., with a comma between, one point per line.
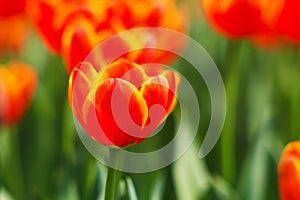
x=73, y=28
x=15, y=25
x=289, y=172
x=17, y=85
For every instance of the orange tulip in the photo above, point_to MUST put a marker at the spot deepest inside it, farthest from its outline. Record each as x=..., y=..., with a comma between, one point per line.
x=17, y=84
x=254, y=19
x=13, y=32
x=289, y=21
x=74, y=28
x=289, y=172
x=14, y=25
x=117, y=106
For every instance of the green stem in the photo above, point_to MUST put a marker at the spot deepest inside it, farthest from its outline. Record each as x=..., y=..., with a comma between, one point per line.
x=228, y=162
x=11, y=163
x=113, y=177
x=295, y=97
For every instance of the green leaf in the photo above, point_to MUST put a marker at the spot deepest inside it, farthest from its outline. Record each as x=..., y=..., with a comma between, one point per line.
x=69, y=192
x=191, y=176
x=255, y=173
x=130, y=189
x=4, y=195
x=223, y=189
x=157, y=190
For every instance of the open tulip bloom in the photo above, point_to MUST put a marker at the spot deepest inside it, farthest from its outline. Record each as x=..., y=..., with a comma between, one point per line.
x=120, y=100
x=124, y=102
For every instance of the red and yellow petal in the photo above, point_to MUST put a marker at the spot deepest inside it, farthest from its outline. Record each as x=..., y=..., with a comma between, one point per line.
x=42, y=14
x=82, y=84
x=125, y=70
x=173, y=79
x=118, y=94
x=155, y=92
x=78, y=40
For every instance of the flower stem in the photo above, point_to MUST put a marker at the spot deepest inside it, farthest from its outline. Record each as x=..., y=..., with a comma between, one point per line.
x=11, y=162
x=113, y=177
x=228, y=161
x=295, y=97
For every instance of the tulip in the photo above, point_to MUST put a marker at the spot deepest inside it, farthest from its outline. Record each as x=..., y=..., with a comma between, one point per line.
x=289, y=172
x=50, y=18
x=289, y=21
x=14, y=25
x=254, y=19
x=73, y=28
x=17, y=84
x=123, y=103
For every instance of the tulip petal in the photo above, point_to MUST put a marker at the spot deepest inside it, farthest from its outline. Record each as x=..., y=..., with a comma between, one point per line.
x=125, y=70
x=43, y=14
x=155, y=91
x=128, y=97
x=78, y=40
x=174, y=81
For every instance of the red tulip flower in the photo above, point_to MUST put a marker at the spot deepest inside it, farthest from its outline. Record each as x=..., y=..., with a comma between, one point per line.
x=74, y=28
x=254, y=19
x=289, y=172
x=17, y=84
x=289, y=21
x=124, y=102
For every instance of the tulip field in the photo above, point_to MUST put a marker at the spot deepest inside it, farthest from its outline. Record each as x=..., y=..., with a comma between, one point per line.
x=138, y=100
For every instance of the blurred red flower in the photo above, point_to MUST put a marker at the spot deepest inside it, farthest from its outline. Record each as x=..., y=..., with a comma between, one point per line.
x=12, y=7
x=118, y=105
x=289, y=21
x=255, y=19
x=14, y=25
x=289, y=172
x=74, y=28
x=17, y=84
